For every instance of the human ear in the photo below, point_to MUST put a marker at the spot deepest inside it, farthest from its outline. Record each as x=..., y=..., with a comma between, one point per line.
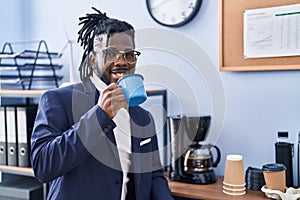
x=92, y=58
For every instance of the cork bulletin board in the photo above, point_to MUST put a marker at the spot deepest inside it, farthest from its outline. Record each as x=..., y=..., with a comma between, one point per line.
x=231, y=49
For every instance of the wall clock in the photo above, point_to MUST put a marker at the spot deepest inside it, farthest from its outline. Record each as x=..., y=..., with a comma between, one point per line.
x=173, y=13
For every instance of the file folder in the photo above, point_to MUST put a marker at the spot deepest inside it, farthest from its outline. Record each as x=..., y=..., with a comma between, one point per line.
x=11, y=136
x=3, y=155
x=25, y=121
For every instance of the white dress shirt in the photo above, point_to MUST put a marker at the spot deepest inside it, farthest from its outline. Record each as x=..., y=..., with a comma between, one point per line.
x=122, y=134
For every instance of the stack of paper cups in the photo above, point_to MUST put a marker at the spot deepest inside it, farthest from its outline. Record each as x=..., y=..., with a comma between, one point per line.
x=234, y=176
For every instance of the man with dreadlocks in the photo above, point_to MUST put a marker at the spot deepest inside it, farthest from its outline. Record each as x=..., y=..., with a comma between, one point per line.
x=87, y=143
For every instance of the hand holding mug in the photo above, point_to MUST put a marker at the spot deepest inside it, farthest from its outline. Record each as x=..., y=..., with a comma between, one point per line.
x=112, y=99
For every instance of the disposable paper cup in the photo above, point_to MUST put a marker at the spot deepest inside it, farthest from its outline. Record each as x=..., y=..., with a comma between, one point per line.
x=133, y=88
x=234, y=187
x=234, y=170
x=274, y=175
x=229, y=192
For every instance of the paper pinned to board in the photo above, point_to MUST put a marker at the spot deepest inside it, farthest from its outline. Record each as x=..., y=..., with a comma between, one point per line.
x=272, y=32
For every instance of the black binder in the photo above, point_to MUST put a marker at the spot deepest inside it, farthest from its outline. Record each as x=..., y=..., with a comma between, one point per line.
x=3, y=152
x=25, y=120
x=11, y=136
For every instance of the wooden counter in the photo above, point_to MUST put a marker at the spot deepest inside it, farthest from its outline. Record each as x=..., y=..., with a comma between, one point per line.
x=210, y=191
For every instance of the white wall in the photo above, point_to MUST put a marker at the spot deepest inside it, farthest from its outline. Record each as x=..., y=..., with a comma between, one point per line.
x=258, y=104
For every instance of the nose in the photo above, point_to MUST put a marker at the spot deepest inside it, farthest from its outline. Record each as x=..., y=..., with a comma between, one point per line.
x=120, y=60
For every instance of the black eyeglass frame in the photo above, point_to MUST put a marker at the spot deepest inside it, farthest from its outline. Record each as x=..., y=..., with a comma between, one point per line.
x=136, y=54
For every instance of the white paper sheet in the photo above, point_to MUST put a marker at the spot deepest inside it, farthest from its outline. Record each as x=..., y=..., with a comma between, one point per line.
x=272, y=32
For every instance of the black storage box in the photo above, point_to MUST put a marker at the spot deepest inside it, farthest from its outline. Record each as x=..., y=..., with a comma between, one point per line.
x=21, y=188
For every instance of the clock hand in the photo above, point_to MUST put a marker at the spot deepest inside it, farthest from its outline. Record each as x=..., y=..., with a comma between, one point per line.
x=160, y=3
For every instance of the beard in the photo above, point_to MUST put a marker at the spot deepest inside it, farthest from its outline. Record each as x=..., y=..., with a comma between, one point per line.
x=103, y=75
x=105, y=79
x=110, y=73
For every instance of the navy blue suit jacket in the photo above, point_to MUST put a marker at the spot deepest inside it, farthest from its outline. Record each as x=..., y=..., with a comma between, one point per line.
x=74, y=148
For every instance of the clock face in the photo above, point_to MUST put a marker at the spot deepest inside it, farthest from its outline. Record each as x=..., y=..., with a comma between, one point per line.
x=173, y=12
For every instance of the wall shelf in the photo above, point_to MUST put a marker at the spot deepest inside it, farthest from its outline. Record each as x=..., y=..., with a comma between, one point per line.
x=24, y=171
x=21, y=93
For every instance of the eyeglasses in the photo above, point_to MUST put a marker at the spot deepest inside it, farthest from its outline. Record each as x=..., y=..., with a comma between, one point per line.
x=112, y=55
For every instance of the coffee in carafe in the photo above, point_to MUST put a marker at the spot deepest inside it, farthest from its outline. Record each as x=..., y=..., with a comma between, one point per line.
x=198, y=158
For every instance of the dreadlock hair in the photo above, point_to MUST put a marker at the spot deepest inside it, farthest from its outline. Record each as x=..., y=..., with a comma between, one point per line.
x=93, y=25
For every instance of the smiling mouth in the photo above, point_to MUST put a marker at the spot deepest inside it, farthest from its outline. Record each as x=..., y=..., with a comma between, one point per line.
x=119, y=72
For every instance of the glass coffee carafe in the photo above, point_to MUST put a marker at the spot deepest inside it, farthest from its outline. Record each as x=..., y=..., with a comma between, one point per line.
x=199, y=158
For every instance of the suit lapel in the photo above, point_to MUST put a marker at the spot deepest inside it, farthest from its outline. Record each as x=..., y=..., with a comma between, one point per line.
x=90, y=91
x=91, y=99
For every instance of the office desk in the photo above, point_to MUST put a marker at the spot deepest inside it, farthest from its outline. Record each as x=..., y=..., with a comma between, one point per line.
x=210, y=191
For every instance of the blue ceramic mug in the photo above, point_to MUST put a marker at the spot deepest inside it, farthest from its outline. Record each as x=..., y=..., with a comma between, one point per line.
x=133, y=88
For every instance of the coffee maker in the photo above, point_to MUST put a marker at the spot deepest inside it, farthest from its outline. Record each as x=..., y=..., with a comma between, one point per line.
x=192, y=161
